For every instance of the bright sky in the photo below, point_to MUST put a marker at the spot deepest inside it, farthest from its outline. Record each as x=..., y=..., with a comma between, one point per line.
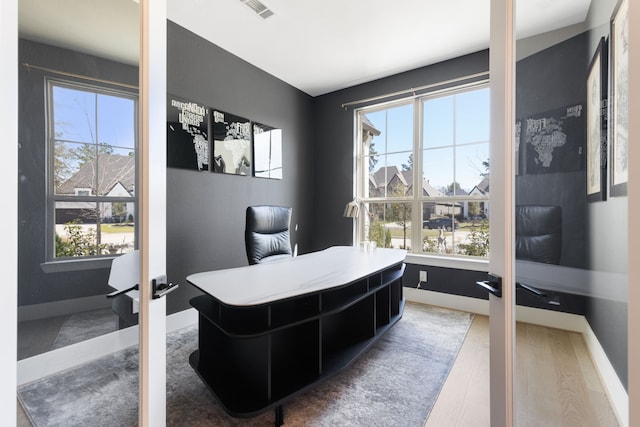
x=448, y=148
x=75, y=117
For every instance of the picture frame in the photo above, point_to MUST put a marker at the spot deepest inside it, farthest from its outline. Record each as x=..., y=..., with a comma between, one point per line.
x=597, y=125
x=188, y=141
x=232, y=153
x=619, y=106
x=267, y=151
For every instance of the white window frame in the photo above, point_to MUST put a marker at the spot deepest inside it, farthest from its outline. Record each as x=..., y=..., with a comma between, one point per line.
x=53, y=198
x=415, y=255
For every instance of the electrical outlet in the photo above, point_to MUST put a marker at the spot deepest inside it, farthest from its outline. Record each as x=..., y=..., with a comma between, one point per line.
x=423, y=276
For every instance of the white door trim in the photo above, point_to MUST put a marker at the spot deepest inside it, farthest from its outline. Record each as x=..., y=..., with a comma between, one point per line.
x=9, y=216
x=152, y=217
x=633, y=194
x=502, y=257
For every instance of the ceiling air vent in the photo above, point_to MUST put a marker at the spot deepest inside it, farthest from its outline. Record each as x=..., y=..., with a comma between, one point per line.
x=259, y=8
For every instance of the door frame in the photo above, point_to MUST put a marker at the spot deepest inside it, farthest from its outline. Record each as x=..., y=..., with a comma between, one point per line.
x=152, y=363
x=501, y=221
x=633, y=194
x=9, y=216
x=152, y=215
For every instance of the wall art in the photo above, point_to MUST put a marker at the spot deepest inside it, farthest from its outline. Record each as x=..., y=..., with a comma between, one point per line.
x=554, y=140
x=188, y=145
x=597, y=125
x=231, y=144
x=619, y=106
x=267, y=151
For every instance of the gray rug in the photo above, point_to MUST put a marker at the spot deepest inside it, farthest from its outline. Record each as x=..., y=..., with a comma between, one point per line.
x=395, y=383
x=83, y=326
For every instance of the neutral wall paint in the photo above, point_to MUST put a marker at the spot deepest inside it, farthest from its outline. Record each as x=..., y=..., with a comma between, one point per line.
x=206, y=211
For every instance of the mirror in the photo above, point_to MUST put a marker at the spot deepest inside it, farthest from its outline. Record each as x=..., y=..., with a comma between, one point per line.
x=77, y=162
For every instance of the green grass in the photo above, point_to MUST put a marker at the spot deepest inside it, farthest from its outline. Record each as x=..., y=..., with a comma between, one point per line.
x=116, y=228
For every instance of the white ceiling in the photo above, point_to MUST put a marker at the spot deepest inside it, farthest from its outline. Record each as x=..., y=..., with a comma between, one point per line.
x=316, y=46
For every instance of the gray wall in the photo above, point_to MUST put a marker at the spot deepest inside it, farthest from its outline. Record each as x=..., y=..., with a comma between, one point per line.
x=206, y=211
x=34, y=285
x=608, y=228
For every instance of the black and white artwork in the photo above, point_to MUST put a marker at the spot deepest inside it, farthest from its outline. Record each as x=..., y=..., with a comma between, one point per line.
x=619, y=98
x=597, y=125
x=187, y=135
x=267, y=149
x=517, y=139
x=231, y=144
x=555, y=140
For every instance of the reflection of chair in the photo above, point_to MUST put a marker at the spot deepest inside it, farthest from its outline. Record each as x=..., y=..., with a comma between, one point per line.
x=124, y=277
x=267, y=233
x=539, y=233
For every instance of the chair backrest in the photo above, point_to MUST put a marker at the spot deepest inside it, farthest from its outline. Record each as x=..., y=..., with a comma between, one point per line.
x=539, y=233
x=125, y=271
x=266, y=233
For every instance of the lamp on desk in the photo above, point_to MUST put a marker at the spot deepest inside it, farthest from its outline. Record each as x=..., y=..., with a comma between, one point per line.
x=352, y=209
x=355, y=207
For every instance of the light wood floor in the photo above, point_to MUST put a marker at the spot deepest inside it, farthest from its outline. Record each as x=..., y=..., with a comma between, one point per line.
x=556, y=381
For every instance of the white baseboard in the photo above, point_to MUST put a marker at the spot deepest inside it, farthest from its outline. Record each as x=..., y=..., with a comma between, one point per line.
x=454, y=302
x=618, y=396
x=62, y=308
x=43, y=365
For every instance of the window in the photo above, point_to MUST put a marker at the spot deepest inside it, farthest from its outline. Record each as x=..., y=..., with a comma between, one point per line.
x=92, y=142
x=444, y=207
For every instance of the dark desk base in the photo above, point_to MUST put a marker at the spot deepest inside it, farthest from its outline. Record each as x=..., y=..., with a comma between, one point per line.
x=256, y=358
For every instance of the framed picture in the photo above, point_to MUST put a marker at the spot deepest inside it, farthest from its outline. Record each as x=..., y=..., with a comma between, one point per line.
x=187, y=134
x=619, y=102
x=267, y=151
x=554, y=141
x=516, y=141
x=596, y=125
x=231, y=144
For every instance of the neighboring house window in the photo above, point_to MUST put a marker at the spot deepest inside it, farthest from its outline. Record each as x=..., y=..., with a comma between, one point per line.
x=92, y=175
x=425, y=162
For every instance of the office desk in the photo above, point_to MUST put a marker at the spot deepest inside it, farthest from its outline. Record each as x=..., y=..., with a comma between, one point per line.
x=267, y=332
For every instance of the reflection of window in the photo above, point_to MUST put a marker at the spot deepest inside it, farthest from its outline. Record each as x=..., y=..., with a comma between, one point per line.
x=426, y=161
x=92, y=144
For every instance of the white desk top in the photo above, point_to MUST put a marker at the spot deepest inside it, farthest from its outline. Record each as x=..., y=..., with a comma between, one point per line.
x=317, y=271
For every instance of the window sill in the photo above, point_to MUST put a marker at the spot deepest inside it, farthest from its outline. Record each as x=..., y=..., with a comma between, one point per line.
x=76, y=265
x=448, y=262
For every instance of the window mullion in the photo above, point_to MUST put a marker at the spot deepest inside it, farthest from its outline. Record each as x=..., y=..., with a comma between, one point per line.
x=416, y=207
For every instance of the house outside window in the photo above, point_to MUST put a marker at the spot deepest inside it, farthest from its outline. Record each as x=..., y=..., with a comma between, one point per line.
x=92, y=143
x=423, y=173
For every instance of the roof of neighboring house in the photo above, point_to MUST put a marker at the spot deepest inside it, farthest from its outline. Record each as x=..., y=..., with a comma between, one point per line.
x=368, y=126
x=112, y=169
x=384, y=176
x=482, y=187
x=429, y=190
x=459, y=192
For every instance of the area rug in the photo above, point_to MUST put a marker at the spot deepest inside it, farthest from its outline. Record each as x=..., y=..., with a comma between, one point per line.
x=83, y=326
x=396, y=382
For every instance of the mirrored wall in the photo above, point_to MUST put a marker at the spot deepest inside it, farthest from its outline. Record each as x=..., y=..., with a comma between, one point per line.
x=571, y=216
x=78, y=136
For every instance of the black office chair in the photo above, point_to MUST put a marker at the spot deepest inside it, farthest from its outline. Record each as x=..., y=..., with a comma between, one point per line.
x=538, y=237
x=266, y=233
x=539, y=233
